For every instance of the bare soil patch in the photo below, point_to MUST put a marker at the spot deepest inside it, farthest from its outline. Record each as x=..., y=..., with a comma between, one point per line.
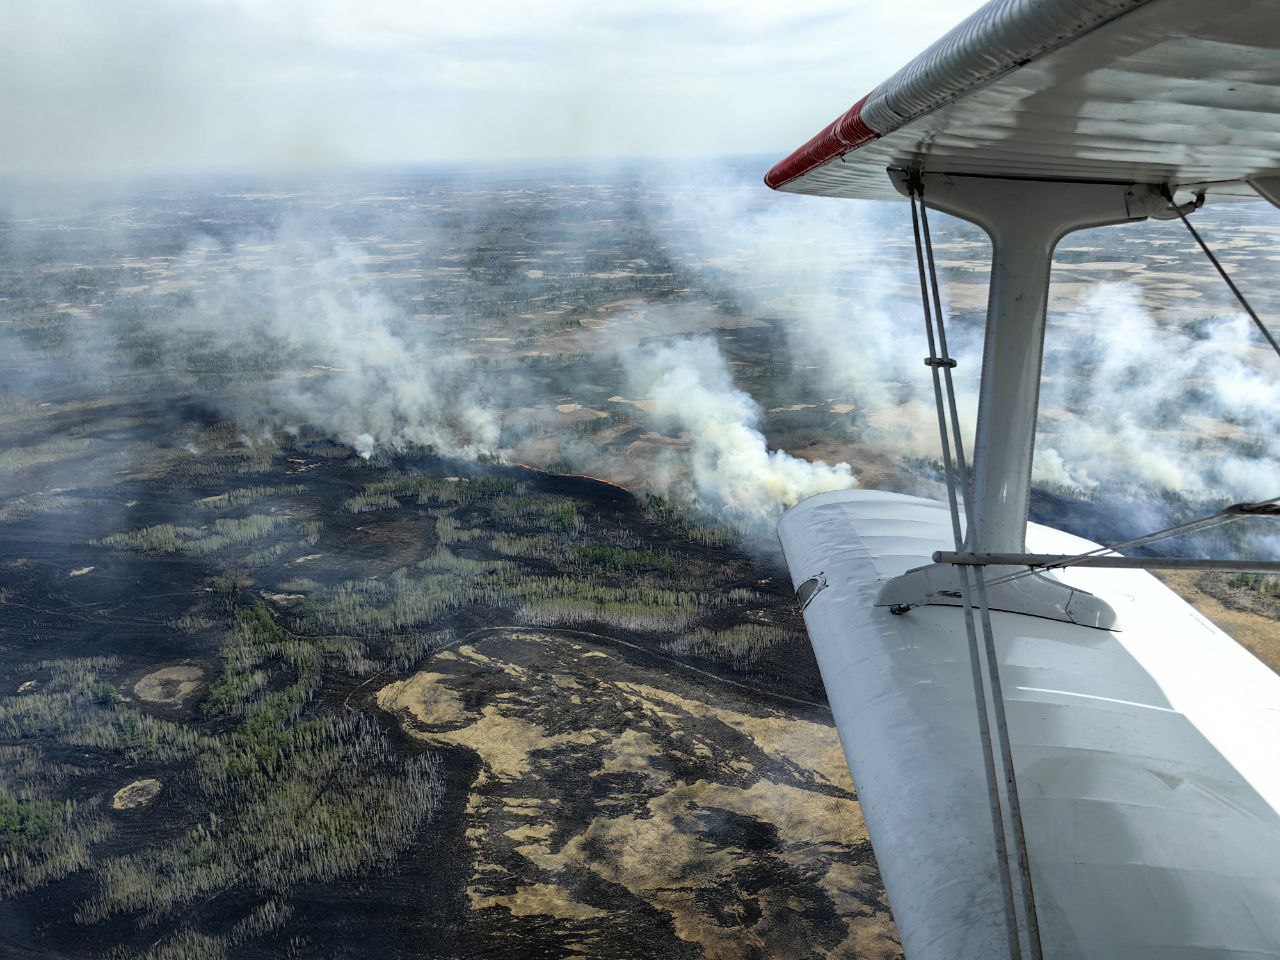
x=173, y=686
x=136, y=794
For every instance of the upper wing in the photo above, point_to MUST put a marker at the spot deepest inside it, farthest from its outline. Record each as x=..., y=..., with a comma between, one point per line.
x=1184, y=92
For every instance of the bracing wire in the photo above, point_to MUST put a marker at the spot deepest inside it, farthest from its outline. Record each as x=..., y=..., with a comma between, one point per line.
x=1223, y=516
x=956, y=474
x=940, y=364
x=947, y=364
x=935, y=362
x=984, y=722
x=1217, y=265
x=1204, y=523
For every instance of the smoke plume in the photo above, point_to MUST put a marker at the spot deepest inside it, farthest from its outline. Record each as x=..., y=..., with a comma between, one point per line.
x=1139, y=403
x=359, y=369
x=1186, y=406
x=298, y=324
x=690, y=388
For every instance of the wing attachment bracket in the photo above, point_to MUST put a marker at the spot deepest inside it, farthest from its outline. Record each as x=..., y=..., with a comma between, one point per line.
x=940, y=585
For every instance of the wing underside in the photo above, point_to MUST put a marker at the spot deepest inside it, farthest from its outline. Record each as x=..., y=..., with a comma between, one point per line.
x=1153, y=91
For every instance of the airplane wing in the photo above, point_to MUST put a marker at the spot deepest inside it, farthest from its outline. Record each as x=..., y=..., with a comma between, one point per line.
x=1177, y=91
x=1148, y=756
x=1146, y=753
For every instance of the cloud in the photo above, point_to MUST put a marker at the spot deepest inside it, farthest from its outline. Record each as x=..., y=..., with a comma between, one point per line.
x=114, y=88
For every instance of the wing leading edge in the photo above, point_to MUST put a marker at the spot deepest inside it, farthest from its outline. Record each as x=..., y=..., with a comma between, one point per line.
x=1151, y=91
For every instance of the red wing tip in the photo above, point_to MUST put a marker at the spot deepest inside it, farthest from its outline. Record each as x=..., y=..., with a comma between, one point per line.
x=845, y=133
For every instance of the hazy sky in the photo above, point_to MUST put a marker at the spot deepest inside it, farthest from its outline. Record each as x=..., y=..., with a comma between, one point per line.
x=127, y=86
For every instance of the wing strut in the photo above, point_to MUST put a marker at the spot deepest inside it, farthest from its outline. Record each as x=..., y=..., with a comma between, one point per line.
x=1033, y=564
x=968, y=553
x=988, y=694
x=1025, y=220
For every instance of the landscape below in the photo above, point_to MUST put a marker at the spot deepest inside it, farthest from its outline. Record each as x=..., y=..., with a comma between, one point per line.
x=273, y=687
x=480, y=705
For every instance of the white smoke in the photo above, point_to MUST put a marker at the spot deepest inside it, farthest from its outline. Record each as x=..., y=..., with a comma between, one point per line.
x=842, y=277
x=690, y=387
x=818, y=262
x=1132, y=402
x=361, y=372
x=1187, y=405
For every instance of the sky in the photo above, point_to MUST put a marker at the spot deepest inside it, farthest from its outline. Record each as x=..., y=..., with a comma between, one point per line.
x=106, y=88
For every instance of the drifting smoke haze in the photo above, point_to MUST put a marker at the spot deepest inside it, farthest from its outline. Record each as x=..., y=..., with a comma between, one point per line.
x=349, y=373
x=841, y=276
x=1136, y=401
x=361, y=371
x=308, y=327
x=1151, y=402
x=1187, y=407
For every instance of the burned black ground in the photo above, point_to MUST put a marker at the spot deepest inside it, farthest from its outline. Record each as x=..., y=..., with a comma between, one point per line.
x=304, y=579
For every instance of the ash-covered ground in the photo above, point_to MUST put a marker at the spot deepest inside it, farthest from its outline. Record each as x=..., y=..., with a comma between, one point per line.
x=386, y=567
x=283, y=698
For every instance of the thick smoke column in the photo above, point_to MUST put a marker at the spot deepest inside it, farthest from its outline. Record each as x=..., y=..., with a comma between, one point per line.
x=689, y=386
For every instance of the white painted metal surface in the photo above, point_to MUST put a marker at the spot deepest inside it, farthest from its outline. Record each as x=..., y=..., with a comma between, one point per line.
x=1176, y=91
x=1148, y=758
x=1025, y=220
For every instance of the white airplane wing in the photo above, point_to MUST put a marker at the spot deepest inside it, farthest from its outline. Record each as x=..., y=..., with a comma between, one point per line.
x=1180, y=91
x=1148, y=757
x=1146, y=750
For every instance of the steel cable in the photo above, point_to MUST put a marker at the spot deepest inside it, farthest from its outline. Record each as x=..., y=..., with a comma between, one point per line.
x=1248, y=308
x=1193, y=526
x=939, y=360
